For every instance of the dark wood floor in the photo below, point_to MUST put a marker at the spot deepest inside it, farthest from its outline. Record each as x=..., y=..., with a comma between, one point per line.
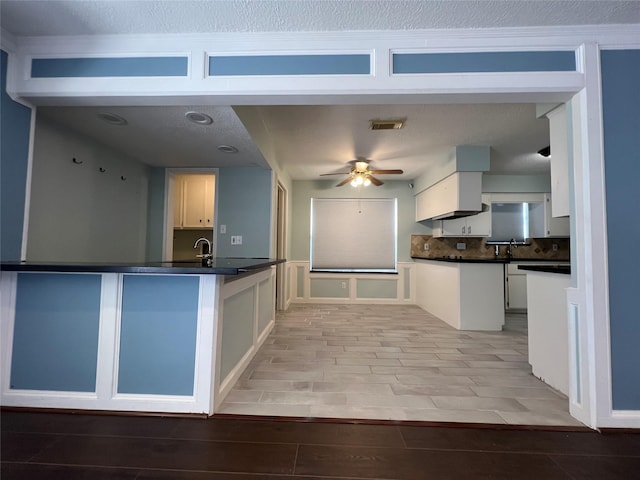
x=97, y=447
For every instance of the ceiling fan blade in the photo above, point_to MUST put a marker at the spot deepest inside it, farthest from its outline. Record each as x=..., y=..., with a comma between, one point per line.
x=375, y=181
x=339, y=173
x=387, y=172
x=346, y=180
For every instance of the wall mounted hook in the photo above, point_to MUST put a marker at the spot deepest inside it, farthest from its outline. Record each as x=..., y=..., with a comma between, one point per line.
x=76, y=161
x=102, y=170
x=123, y=178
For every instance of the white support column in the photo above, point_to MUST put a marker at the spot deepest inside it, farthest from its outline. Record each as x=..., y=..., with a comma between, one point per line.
x=589, y=302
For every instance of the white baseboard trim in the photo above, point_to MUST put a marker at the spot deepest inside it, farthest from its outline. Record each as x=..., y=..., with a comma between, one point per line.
x=621, y=419
x=354, y=301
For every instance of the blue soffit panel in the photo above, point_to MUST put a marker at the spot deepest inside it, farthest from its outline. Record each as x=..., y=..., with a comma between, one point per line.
x=552, y=61
x=55, y=340
x=264, y=65
x=109, y=67
x=158, y=330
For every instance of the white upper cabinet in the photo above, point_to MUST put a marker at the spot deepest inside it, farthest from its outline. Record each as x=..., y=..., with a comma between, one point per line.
x=543, y=224
x=559, y=132
x=478, y=225
x=459, y=192
x=194, y=201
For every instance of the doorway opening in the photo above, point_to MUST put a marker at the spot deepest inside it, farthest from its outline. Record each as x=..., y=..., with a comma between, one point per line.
x=281, y=246
x=190, y=211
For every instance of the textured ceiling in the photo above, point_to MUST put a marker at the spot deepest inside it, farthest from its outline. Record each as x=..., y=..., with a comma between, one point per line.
x=162, y=136
x=72, y=17
x=310, y=140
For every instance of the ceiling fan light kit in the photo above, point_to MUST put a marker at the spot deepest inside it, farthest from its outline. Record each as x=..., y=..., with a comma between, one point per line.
x=360, y=179
x=361, y=175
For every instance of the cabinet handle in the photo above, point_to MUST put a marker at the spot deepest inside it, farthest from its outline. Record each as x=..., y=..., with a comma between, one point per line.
x=469, y=230
x=463, y=229
x=200, y=220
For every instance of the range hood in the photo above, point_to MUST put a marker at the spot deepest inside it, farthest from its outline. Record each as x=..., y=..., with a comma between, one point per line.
x=458, y=195
x=456, y=214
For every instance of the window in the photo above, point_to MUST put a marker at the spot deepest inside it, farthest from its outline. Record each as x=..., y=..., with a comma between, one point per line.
x=354, y=235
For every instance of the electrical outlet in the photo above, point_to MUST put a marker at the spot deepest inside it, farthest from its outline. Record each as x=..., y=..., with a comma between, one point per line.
x=223, y=229
x=238, y=239
x=554, y=247
x=461, y=246
x=343, y=285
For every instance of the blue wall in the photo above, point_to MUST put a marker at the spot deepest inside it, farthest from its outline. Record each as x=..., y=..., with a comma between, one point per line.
x=621, y=117
x=55, y=339
x=15, y=122
x=244, y=206
x=158, y=334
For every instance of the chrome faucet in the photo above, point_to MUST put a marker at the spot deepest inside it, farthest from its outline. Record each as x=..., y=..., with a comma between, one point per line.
x=206, y=248
x=512, y=244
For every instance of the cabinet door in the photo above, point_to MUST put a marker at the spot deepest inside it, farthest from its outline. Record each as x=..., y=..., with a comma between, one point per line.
x=194, y=201
x=209, y=200
x=555, y=227
x=517, y=292
x=456, y=227
x=479, y=225
x=178, y=203
x=559, y=161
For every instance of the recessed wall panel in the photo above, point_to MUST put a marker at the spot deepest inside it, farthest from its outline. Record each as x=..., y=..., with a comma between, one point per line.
x=329, y=288
x=237, y=330
x=55, y=343
x=476, y=62
x=158, y=334
x=266, y=307
x=374, y=288
x=109, y=67
x=338, y=64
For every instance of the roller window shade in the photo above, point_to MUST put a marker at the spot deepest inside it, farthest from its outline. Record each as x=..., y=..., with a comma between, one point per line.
x=354, y=235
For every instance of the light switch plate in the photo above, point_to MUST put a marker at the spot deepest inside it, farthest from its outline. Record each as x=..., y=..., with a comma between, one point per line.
x=223, y=229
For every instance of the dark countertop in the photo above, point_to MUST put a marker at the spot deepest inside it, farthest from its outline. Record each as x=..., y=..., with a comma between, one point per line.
x=219, y=266
x=564, y=269
x=464, y=260
x=501, y=260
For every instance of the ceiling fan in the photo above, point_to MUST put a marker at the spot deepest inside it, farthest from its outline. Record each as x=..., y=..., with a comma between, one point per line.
x=360, y=174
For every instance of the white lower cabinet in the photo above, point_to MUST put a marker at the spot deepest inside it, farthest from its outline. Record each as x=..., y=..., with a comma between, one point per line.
x=515, y=288
x=548, y=326
x=467, y=296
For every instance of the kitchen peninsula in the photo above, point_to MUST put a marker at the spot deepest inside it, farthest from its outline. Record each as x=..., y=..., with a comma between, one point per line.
x=549, y=323
x=466, y=287
x=466, y=293
x=170, y=337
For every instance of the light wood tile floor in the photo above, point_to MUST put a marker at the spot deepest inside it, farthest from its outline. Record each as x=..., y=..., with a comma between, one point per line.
x=396, y=363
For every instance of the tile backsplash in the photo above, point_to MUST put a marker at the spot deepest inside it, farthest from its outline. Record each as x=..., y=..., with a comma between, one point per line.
x=476, y=247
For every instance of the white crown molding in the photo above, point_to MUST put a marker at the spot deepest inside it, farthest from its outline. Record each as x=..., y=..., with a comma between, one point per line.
x=627, y=36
